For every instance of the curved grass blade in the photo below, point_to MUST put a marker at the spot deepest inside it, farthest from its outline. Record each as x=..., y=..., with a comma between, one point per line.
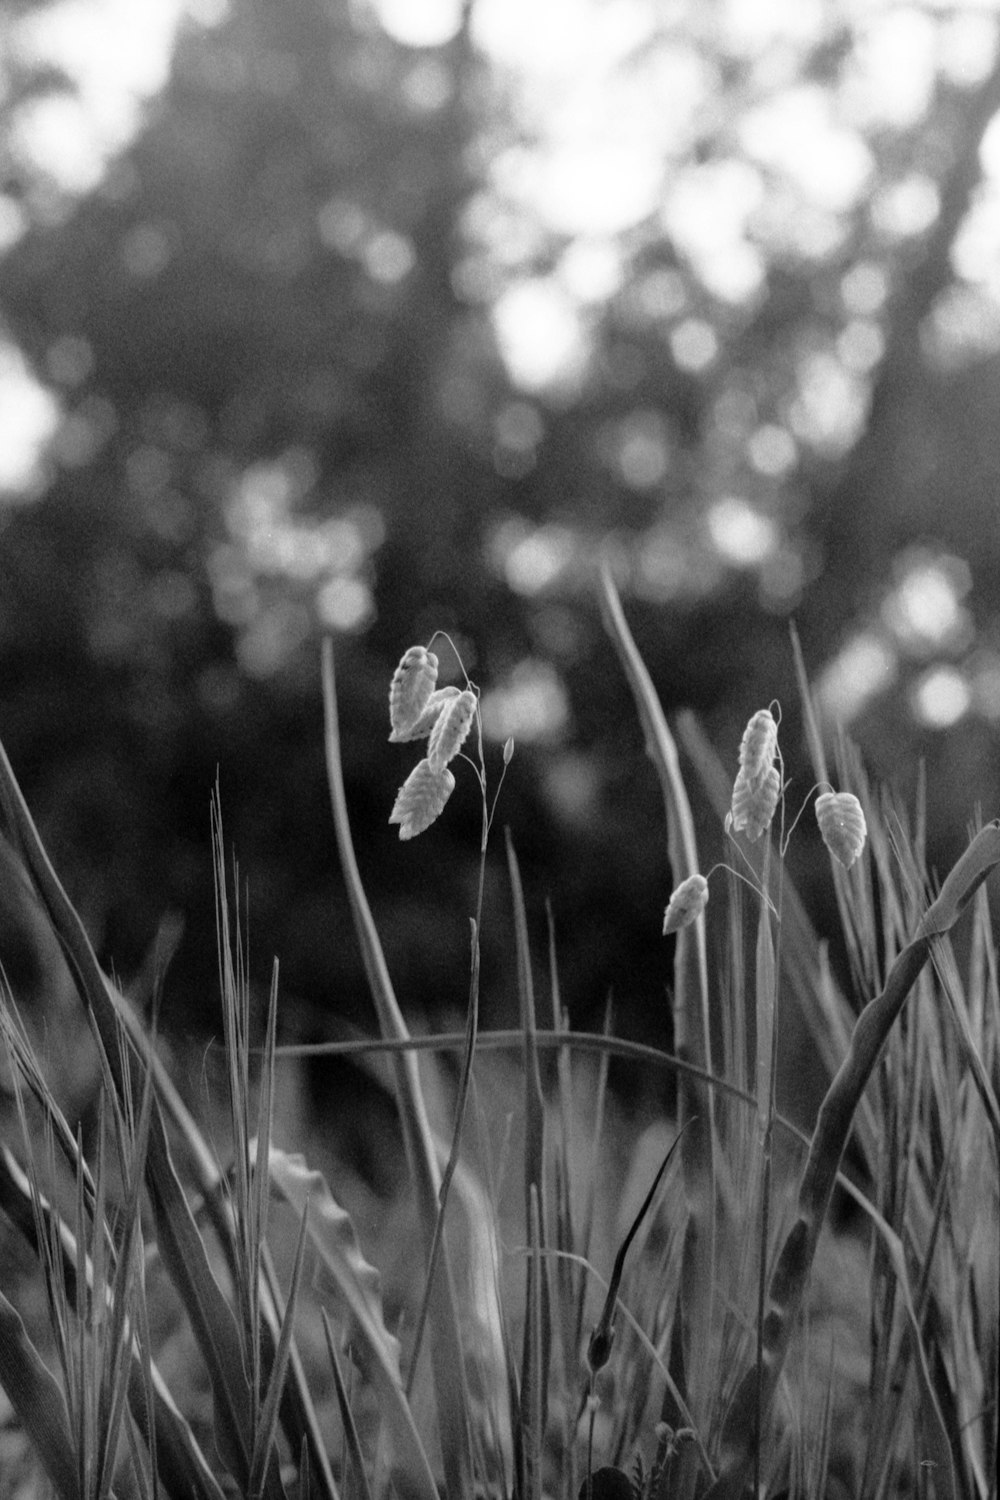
x=446, y=1346
x=346, y=1415
x=537, y=1325
x=181, y=1246
x=39, y=1402
x=690, y=1011
x=833, y=1126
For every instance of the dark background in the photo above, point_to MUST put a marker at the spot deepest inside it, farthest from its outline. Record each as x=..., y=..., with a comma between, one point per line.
x=285, y=411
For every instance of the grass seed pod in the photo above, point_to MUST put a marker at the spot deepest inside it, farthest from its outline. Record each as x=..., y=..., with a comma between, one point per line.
x=421, y=798
x=451, y=728
x=753, y=807
x=412, y=684
x=686, y=904
x=759, y=746
x=842, y=824
x=423, y=726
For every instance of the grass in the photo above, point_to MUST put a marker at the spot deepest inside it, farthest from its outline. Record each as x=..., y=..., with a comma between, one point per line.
x=587, y=1308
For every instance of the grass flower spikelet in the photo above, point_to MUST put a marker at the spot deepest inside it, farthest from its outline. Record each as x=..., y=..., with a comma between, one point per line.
x=842, y=824
x=421, y=798
x=758, y=747
x=753, y=807
x=412, y=685
x=451, y=729
x=686, y=904
x=432, y=710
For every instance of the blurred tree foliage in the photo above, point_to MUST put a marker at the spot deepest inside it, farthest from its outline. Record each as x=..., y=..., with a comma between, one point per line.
x=272, y=328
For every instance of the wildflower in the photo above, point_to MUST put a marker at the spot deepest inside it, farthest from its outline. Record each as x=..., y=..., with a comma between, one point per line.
x=753, y=807
x=758, y=747
x=421, y=798
x=412, y=684
x=449, y=732
x=687, y=903
x=428, y=718
x=842, y=824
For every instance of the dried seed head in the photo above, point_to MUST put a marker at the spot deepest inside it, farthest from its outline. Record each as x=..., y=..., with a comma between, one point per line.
x=432, y=708
x=449, y=732
x=412, y=684
x=842, y=824
x=758, y=747
x=687, y=903
x=754, y=807
x=421, y=798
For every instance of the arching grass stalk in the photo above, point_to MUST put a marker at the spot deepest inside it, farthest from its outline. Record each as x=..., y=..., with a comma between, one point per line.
x=691, y=1022
x=791, y=1272
x=447, y=1361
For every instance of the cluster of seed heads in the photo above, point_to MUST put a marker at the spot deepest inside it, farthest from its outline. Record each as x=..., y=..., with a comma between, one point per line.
x=756, y=793
x=418, y=709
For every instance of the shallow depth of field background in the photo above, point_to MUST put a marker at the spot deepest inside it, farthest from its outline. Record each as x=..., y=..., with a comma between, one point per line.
x=383, y=318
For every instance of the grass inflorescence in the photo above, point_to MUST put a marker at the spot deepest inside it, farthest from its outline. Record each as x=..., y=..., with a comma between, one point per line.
x=594, y=1308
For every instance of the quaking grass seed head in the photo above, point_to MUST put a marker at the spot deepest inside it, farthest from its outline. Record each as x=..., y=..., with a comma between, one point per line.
x=451, y=729
x=753, y=807
x=686, y=904
x=421, y=798
x=412, y=685
x=842, y=824
x=759, y=746
x=428, y=718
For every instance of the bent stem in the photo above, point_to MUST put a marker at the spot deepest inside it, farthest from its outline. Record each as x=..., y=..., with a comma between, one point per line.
x=791, y=1272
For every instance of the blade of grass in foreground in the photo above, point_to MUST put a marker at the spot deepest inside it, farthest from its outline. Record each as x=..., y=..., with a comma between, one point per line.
x=537, y=1323
x=833, y=1126
x=446, y=1346
x=690, y=1011
x=38, y=1400
x=181, y=1246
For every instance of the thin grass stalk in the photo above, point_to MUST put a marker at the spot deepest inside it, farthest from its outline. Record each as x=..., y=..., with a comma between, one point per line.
x=346, y=1414
x=171, y=1443
x=180, y=1243
x=446, y=1346
x=535, y=1360
x=265, y=1451
x=767, y=1044
x=791, y=1272
x=535, y=1407
x=691, y=1017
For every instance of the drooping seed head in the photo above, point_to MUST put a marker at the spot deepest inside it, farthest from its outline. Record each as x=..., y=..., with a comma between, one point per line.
x=412, y=684
x=451, y=729
x=432, y=708
x=842, y=824
x=421, y=798
x=686, y=904
x=758, y=747
x=753, y=807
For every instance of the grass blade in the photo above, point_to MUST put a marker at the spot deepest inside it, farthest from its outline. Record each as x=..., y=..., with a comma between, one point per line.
x=692, y=1040
x=346, y=1415
x=40, y=1405
x=791, y=1272
x=446, y=1346
x=535, y=1359
x=180, y=1243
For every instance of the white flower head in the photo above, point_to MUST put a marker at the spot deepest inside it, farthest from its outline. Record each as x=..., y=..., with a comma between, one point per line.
x=421, y=798
x=842, y=824
x=451, y=728
x=753, y=807
x=758, y=747
x=412, y=685
x=686, y=904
